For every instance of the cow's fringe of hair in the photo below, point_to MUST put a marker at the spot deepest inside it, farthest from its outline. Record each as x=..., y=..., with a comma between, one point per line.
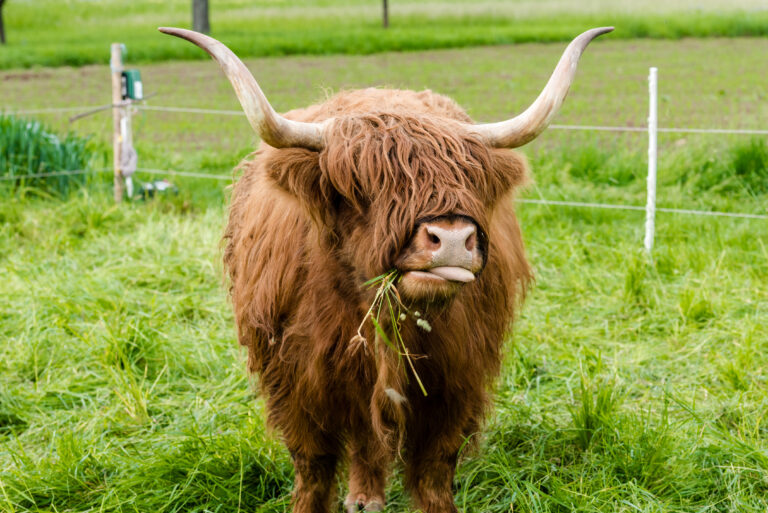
x=406, y=167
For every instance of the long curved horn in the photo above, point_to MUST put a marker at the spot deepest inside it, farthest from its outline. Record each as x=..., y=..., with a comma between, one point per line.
x=525, y=127
x=273, y=128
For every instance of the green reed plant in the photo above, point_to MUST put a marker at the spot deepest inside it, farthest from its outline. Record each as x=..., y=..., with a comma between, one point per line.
x=28, y=149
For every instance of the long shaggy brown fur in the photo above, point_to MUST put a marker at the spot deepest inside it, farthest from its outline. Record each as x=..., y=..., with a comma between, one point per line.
x=306, y=230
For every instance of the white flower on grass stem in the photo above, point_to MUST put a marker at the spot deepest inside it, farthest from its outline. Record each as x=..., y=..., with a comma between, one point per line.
x=423, y=324
x=395, y=396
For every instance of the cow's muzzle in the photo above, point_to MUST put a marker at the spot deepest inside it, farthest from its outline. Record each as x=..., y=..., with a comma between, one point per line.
x=442, y=255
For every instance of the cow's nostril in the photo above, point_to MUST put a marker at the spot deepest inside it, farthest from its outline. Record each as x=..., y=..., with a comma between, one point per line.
x=471, y=241
x=434, y=239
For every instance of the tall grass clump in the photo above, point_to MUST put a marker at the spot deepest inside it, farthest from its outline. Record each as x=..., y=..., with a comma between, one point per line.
x=741, y=167
x=29, y=149
x=593, y=415
x=590, y=161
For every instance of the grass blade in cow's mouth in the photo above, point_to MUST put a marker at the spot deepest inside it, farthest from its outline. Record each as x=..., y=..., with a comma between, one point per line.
x=387, y=301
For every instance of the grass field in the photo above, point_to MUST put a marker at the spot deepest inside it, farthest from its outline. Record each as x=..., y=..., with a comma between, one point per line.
x=40, y=32
x=629, y=385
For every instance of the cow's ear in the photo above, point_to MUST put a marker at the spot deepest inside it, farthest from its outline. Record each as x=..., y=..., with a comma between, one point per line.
x=297, y=171
x=508, y=171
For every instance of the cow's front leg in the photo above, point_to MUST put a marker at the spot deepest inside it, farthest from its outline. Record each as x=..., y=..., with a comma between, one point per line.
x=369, y=463
x=429, y=477
x=435, y=437
x=315, y=482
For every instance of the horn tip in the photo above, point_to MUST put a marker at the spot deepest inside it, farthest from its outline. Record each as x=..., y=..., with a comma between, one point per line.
x=586, y=37
x=197, y=38
x=179, y=32
x=169, y=30
x=602, y=30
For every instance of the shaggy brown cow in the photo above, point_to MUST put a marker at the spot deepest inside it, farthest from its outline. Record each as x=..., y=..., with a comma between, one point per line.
x=342, y=192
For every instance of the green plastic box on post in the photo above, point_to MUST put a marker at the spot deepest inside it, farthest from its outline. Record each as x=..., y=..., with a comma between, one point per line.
x=132, y=86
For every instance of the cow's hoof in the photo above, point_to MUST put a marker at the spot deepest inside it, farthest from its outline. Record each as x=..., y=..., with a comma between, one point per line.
x=362, y=503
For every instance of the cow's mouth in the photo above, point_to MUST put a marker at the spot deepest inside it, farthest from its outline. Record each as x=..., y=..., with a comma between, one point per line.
x=442, y=274
x=431, y=284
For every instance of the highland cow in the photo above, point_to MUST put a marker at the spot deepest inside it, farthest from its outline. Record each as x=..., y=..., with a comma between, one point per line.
x=367, y=182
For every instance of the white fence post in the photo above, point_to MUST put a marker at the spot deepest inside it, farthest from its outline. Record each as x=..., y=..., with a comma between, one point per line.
x=650, y=206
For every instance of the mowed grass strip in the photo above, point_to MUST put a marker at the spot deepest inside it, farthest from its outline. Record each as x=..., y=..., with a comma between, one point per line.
x=630, y=384
x=49, y=33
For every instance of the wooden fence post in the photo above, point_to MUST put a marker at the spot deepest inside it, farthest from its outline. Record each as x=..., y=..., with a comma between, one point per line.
x=2, y=26
x=200, y=19
x=116, y=66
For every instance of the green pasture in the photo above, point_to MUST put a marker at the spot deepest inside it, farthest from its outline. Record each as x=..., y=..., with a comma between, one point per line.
x=630, y=384
x=77, y=32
